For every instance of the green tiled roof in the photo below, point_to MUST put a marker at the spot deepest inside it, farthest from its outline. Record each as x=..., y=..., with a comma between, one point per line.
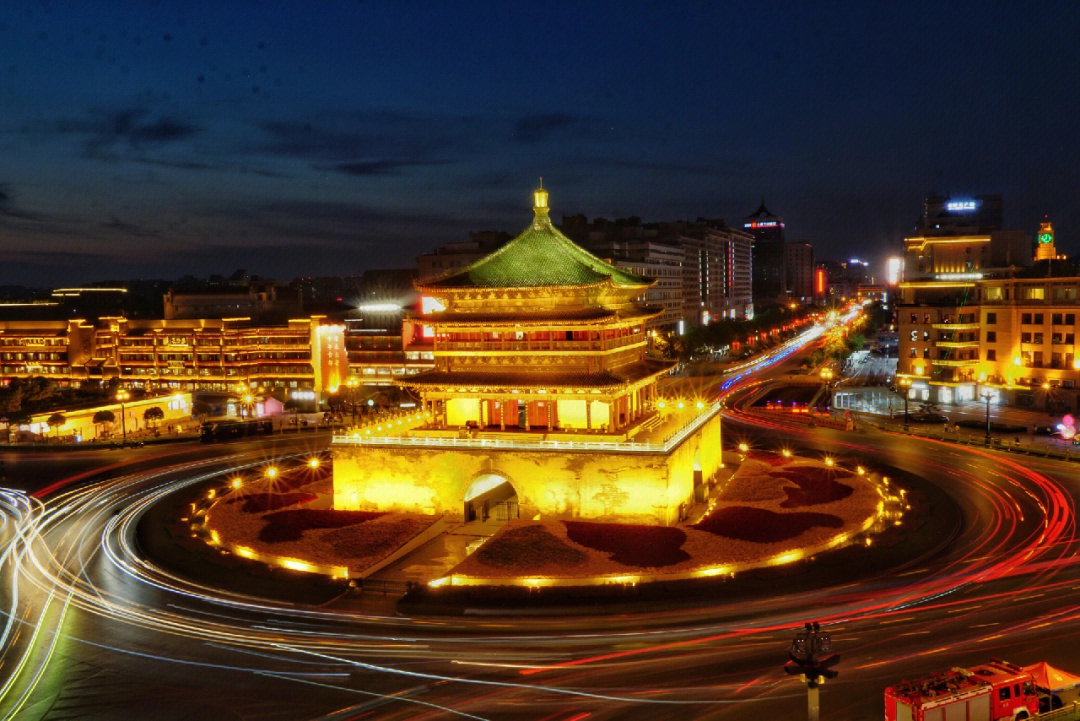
x=539, y=257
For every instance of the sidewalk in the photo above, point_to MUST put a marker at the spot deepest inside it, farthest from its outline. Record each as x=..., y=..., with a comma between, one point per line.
x=1041, y=445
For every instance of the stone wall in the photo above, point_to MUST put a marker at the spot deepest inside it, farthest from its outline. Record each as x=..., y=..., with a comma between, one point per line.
x=627, y=487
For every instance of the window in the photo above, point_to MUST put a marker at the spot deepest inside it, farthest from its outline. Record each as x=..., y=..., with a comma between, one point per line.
x=994, y=293
x=926, y=318
x=1057, y=338
x=914, y=352
x=1025, y=318
x=1065, y=293
x=1034, y=293
x=991, y=318
x=1070, y=319
x=925, y=352
x=914, y=318
x=1003, y=694
x=1037, y=338
x=1070, y=338
x=1025, y=337
x=991, y=336
x=991, y=354
x=926, y=335
x=914, y=336
x=1038, y=319
x=1056, y=318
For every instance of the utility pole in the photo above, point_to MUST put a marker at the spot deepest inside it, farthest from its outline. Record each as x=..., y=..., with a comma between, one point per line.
x=810, y=656
x=986, y=397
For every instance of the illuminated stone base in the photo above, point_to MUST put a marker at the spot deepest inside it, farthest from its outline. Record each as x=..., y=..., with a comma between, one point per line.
x=622, y=486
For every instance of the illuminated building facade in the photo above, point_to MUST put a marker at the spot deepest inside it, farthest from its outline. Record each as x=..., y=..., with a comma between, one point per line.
x=204, y=354
x=717, y=273
x=770, y=276
x=974, y=319
x=799, y=265
x=541, y=400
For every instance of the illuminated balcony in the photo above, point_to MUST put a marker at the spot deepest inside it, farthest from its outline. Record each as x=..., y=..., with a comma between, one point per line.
x=955, y=326
x=957, y=344
x=951, y=363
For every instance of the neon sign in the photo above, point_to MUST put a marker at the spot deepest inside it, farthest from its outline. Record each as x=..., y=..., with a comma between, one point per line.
x=953, y=205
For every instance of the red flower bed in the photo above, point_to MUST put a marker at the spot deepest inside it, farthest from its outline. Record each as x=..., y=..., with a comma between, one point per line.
x=528, y=547
x=263, y=502
x=290, y=525
x=815, y=485
x=641, y=546
x=772, y=459
x=745, y=523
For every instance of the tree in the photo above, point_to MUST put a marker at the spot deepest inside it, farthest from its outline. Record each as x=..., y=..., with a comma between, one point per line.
x=102, y=417
x=201, y=410
x=153, y=414
x=57, y=421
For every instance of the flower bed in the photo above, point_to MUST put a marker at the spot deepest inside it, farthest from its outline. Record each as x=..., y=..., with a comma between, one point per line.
x=286, y=526
x=814, y=486
x=760, y=525
x=756, y=530
x=264, y=502
x=271, y=520
x=632, y=545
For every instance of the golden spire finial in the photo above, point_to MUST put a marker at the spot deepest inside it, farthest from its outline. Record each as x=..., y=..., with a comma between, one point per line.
x=540, y=200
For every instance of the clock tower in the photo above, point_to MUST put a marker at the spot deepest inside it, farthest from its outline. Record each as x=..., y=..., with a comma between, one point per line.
x=1044, y=245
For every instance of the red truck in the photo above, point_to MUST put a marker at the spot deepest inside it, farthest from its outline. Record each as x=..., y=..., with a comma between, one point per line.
x=995, y=691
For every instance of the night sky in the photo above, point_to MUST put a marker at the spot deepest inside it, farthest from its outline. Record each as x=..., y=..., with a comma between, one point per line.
x=145, y=139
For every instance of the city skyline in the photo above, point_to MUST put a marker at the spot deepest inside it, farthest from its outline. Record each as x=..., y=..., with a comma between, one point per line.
x=159, y=142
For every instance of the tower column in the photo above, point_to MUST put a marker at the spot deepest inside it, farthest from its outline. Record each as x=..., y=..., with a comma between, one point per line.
x=502, y=415
x=550, y=415
x=528, y=409
x=588, y=414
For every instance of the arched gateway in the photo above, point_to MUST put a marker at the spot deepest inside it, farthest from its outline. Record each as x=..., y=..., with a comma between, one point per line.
x=490, y=497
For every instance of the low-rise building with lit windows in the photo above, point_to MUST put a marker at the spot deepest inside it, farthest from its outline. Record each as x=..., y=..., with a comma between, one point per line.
x=1007, y=333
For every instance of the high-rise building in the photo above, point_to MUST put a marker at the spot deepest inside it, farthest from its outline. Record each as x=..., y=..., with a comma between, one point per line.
x=770, y=278
x=799, y=262
x=717, y=273
x=663, y=262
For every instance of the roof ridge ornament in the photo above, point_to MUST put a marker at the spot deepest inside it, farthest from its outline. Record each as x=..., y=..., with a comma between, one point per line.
x=540, y=204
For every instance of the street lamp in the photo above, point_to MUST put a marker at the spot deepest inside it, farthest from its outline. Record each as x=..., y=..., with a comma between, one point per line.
x=905, y=383
x=810, y=657
x=122, y=396
x=986, y=396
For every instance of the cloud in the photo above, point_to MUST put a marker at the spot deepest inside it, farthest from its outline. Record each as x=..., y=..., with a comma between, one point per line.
x=9, y=211
x=384, y=142
x=129, y=128
x=377, y=167
x=537, y=127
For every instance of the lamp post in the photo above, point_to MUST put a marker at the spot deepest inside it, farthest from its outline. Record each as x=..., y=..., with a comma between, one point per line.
x=122, y=396
x=352, y=384
x=810, y=657
x=905, y=383
x=986, y=396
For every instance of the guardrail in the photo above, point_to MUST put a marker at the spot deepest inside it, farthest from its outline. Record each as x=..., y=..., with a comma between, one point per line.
x=535, y=444
x=1043, y=450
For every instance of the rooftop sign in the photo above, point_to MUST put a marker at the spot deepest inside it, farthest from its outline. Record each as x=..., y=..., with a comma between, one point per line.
x=954, y=205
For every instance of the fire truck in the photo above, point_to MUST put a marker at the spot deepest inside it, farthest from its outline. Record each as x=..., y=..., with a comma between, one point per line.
x=995, y=691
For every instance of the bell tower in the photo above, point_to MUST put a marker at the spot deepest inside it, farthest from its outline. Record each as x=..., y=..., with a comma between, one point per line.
x=1044, y=246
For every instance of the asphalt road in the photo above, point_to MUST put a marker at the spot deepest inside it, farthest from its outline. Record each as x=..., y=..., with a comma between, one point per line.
x=997, y=576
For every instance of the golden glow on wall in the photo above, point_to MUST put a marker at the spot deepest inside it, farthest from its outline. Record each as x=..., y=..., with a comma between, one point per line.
x=571, y=414
x=460, y=411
